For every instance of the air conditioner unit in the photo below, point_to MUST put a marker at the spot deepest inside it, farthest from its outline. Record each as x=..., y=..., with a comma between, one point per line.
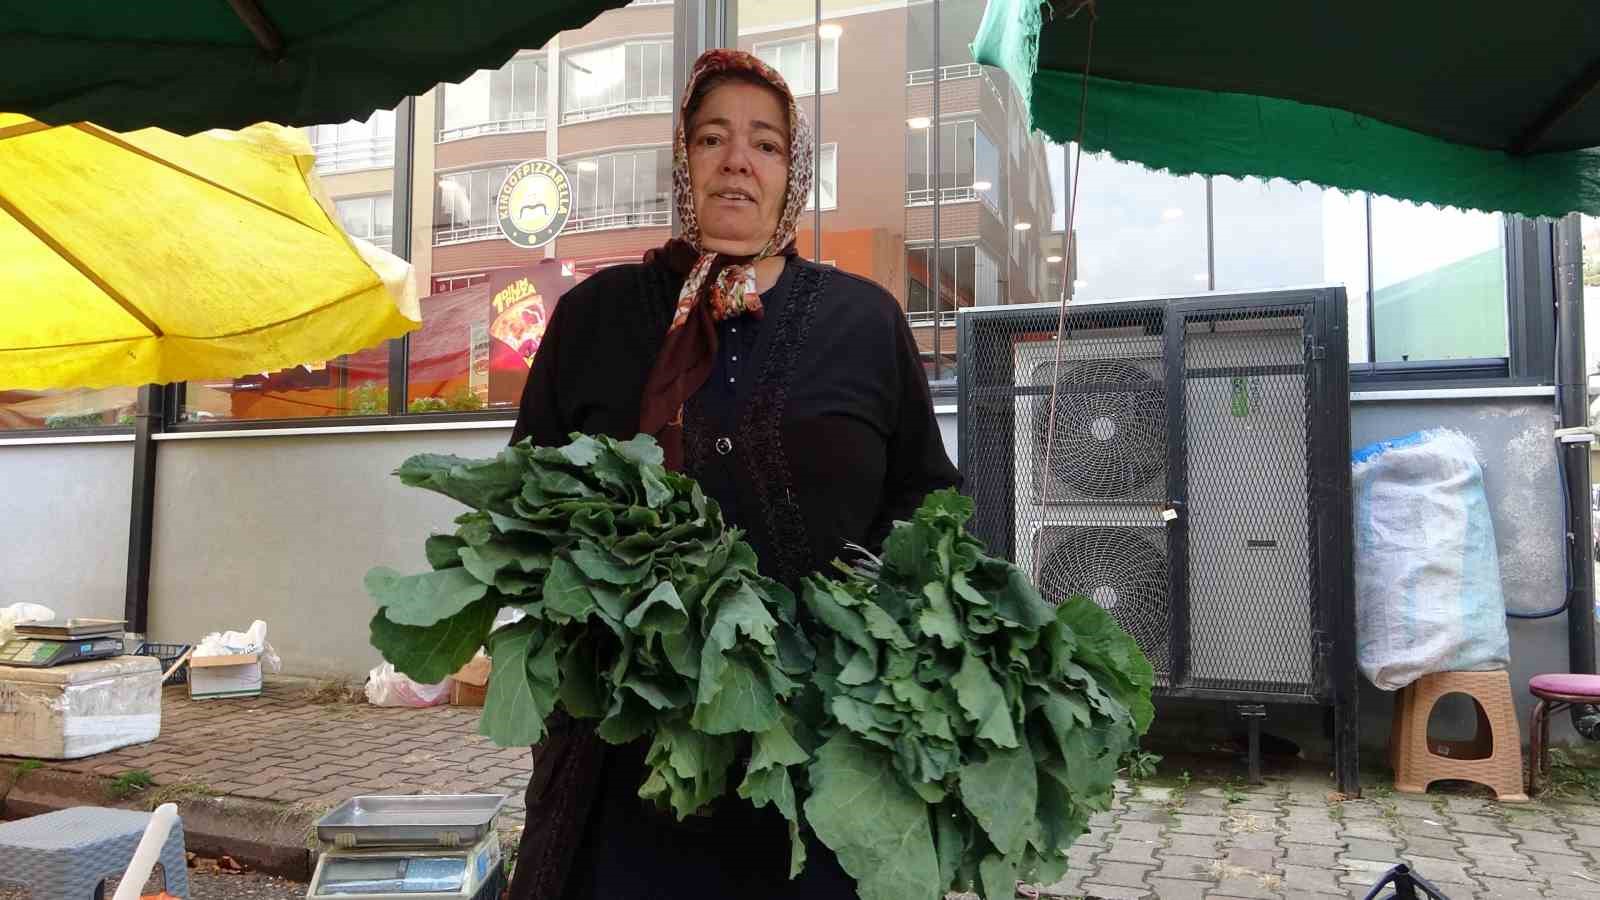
x=1101, y=393
x=1109, y=416
x=1184, y=463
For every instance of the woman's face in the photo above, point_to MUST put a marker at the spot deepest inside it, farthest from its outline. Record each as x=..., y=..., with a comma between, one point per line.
x=738, y=166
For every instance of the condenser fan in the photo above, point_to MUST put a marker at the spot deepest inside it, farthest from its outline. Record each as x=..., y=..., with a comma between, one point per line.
x=1124, y=570
x=1111, y=429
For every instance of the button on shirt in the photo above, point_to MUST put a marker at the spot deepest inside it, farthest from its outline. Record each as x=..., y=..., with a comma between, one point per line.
x=715, y=407
x=736, y=345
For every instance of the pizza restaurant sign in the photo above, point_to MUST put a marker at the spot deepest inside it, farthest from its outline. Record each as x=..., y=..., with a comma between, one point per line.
x=534, y=203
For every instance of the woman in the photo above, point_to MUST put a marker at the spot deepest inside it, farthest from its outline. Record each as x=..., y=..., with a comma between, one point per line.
x=792, y=391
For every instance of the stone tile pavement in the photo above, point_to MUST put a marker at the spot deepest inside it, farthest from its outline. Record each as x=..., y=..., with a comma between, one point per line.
x=287, y=747
x=1288, y=839
x=1284, y=839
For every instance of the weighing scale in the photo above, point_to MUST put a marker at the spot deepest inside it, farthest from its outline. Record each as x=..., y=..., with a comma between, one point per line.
x=76, y=640
x=428, y=847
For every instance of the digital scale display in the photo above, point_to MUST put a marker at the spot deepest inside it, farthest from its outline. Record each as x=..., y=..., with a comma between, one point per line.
x=394, y=875
x=36, y=653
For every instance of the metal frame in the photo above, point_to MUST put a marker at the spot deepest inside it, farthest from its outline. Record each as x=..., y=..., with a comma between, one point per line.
x=148, y=420
x=1334, y=673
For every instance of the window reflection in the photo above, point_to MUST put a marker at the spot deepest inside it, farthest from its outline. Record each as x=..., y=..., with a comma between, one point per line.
x=620, y=190
x=350, y=146
x=369, y=218
x=1439, y=283
x=58, y=410
x=1138, y=233
x=511, y=98
x=796, y=60
x=633, y=77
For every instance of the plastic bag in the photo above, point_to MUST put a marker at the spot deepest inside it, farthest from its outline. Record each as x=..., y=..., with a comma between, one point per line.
x=22, y=614
x=1428, y=596
x=386, y=687
x=235, y=643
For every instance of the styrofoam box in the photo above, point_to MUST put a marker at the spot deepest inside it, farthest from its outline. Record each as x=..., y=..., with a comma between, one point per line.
x=80, y=709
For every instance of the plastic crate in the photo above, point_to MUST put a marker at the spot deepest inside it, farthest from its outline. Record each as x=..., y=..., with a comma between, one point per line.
x=168, y=654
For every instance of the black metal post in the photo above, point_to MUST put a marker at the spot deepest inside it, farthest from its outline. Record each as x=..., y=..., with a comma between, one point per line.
x=405, y=135
x=148, y=418
x=816, y=136
x=1572, y=380
x=935, y=138
x=1335, y=527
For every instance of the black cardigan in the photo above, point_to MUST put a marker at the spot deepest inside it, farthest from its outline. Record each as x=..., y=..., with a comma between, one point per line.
x=826, y=437
x=835, y=436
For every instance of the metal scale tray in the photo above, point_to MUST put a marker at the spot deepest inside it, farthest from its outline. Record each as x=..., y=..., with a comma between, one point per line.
x=411, y=820
x=72, y=629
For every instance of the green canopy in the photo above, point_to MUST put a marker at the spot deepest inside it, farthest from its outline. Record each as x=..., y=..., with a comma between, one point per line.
x=1467, y=103
x=190, y=65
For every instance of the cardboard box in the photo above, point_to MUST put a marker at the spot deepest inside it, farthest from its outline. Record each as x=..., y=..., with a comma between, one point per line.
x=221, y=677
x=79, y=709
x=470, y=686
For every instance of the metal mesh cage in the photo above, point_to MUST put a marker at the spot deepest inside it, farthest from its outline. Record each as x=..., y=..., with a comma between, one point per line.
x=1246, y=406
x=1192, y=485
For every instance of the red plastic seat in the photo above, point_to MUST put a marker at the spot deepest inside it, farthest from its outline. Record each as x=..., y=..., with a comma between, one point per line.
x=1565, y=685
x=1557, y=691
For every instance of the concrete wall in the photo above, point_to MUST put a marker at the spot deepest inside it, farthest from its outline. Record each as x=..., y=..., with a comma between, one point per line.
x=1517, y=447
x=64, y=526
x=284, y=528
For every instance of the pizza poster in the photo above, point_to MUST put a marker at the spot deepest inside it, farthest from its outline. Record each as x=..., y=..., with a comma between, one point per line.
x=521, y=301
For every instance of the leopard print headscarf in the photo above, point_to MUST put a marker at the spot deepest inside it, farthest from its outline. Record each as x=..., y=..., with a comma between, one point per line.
x=716, y=286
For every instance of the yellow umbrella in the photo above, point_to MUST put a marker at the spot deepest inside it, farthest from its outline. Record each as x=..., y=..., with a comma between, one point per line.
x=147, y=257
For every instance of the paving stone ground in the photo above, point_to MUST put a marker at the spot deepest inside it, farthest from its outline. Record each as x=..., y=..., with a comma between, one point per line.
x=1288, y=839
x=284, y=746
x=1283, y=839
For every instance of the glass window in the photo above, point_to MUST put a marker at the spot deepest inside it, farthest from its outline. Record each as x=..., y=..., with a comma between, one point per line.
x=1277, y=234
x=464, y=208
x=369, y=218
x=487, y=301
x=1439, y=283
x=959, y=270
x=968, y=164
x=796, y=60
x=354, y=159
x=990, y=173
x=827, y=178
x=353, y=145
x=1591, y=296
x=916, y=163
x=618, y=190
x=986, y=278
x=1137, y=232
x=622, y=79
x=106, y=407
x=511, y=98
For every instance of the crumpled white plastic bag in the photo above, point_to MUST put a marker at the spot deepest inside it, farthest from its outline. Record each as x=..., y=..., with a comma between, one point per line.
x=386, y=687
x=235, y=643
x=22, y=614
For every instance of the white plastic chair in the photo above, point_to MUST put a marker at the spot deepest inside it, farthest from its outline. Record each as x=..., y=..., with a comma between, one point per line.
x=148, y=854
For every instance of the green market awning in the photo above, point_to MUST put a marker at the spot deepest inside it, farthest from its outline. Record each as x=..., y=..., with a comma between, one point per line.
x=1470, y=103
x=192, y=65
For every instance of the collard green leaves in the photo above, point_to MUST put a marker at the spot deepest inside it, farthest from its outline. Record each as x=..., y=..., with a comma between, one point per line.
x=930, y=720
x=642, y=611
x=950, y=689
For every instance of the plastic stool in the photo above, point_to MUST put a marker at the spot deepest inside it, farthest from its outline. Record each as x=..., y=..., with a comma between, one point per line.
x=1556, y=693
x=1419, y=762
x=65, y=855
